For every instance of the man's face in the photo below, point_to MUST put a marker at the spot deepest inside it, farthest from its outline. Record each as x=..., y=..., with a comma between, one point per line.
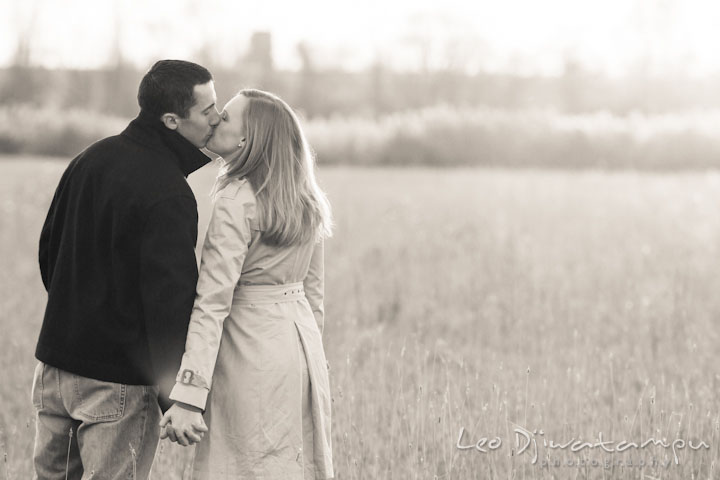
x=203, y=117
x=231, y=131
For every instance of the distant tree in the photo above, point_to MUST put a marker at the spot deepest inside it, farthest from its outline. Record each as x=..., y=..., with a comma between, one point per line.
x=120, y=79
x=260, y=50
x=419, y=36
x=572, y=85
x=378, y=75
x=258, y=61
x=79, y=89
x=307, y=90
x=22, y=84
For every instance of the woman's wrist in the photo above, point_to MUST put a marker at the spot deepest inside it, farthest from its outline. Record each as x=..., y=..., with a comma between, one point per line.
x=187, y=406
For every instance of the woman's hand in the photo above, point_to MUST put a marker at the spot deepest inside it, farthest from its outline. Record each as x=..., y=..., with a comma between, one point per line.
x=183, y=424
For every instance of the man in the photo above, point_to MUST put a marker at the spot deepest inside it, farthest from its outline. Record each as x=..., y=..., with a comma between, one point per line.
x=117, y=258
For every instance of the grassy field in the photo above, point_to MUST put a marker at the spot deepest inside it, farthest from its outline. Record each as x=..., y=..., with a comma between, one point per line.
x=576, y=303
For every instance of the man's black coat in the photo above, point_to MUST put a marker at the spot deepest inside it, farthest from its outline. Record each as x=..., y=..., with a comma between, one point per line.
x=117, y=257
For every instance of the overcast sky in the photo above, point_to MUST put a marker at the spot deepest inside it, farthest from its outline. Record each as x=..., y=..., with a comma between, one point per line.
x=521, y=36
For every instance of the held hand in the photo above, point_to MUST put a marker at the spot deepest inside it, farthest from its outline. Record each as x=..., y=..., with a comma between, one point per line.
x=183, y=424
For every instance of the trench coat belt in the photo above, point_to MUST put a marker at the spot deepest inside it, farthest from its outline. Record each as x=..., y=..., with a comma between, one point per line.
x=267, y=294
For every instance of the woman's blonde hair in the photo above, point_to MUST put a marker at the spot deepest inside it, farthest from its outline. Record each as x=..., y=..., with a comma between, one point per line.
x=279, y=164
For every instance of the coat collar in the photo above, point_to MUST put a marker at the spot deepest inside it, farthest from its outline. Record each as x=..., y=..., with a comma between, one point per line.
x=150, y=132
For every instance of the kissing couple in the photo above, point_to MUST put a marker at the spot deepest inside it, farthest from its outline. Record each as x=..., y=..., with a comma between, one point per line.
x=137, y=344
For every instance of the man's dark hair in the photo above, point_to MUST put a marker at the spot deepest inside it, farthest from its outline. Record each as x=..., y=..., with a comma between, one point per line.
x=168, y=87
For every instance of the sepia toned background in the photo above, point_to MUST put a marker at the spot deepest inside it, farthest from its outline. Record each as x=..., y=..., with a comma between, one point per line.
x=525, y=197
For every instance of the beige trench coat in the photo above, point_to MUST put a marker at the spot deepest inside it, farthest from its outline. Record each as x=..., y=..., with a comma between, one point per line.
x=254, y=357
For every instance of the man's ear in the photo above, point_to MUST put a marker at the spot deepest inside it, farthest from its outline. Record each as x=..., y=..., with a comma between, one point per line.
x=170, y=120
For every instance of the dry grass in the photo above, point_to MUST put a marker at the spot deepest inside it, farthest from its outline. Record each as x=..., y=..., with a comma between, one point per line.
x=575, y=303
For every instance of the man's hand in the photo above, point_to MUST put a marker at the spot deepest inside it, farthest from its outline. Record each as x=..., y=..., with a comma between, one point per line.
x=183, y=424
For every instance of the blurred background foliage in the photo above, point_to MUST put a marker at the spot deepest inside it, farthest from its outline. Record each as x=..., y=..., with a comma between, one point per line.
x=440, y=113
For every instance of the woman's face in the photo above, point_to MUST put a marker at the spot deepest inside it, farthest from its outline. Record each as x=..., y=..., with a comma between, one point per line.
x=230, y=132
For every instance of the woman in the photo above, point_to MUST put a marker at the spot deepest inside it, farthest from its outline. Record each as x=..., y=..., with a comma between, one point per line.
x=254, y=358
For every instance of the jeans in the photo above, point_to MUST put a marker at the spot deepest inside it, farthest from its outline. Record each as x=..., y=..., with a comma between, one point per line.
x=91, y=429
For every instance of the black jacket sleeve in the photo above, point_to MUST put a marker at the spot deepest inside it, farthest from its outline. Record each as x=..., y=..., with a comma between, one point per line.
x=52, y=230
x=168, y=277
x=44, y=251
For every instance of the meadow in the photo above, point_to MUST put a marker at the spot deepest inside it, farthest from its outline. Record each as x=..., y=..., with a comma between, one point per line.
x=571, y=304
